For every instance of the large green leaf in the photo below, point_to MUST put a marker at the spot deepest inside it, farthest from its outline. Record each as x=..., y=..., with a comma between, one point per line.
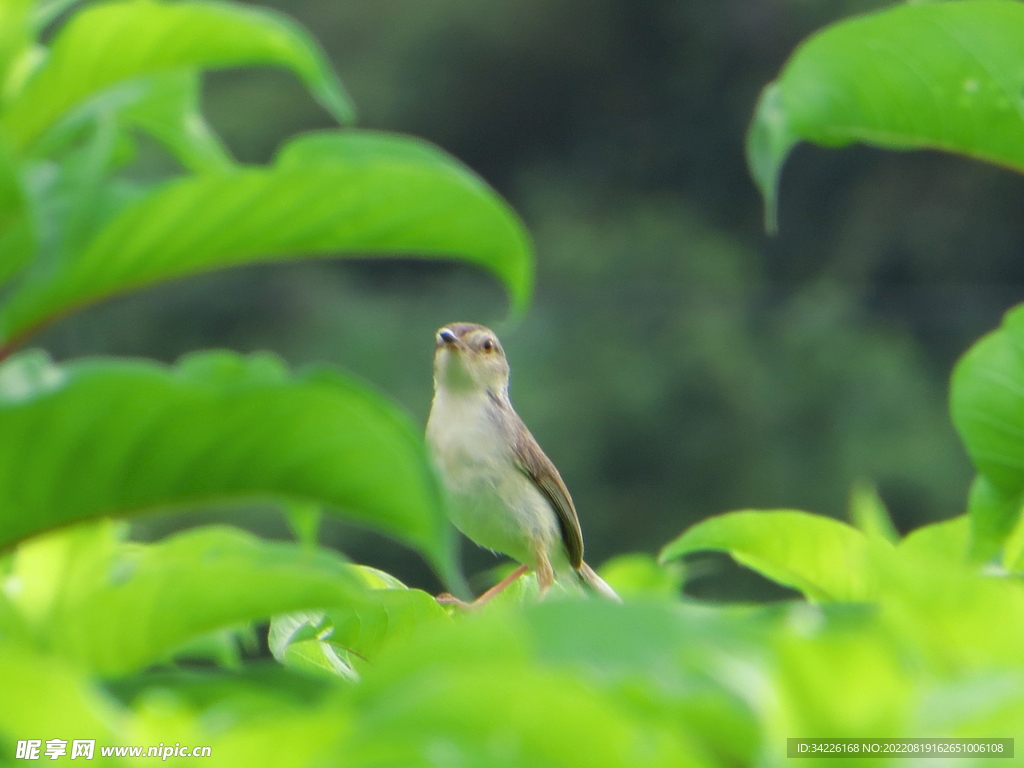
x=471, y=693
x=104, y=437
x=254, y=734
x=346, y=193
x=117, y=41
x=956, y=618
x=668, y=657
x=17, y=240
x=823, y=558
x=42, y=695
x=116, y=607
x=987, y=405
x=944, y=75
x=836, y=672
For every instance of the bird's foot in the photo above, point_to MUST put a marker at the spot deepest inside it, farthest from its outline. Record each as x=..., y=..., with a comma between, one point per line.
x=447, y=598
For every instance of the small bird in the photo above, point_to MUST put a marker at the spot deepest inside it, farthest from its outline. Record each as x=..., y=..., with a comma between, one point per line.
x=504, y=492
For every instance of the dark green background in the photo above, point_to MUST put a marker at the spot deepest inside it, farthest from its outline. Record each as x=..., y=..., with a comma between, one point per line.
x=676, y=362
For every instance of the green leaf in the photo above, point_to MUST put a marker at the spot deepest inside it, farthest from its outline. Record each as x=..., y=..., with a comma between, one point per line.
x=17, y=240
x=939, y=544
x=356, y=148
x=294, y=628
x=298, y=640
x=73, y=197
x=672, y=653
x=391, y=614
x=47, y=11
x=332, y=194
x=41, y=694
x=987, y=406
x=638, y=574
x=956, y=617
x=868, y=512
x=264, y=681
x=945, y=75
x=117, y=607
x=823, y=558
x=975, y=705
x=1013, y=551
x=468, y=693
x=13, y=626
x=340, y=639
x=304, y=520
x=836, y=673
x=246, y=727
x=169, y=111
x=222, y=647
x=117, y=41
x=165, y=105
x=264, y=715
x=104, y=437
x=945, y=542
x=15, y=36
x=769, y=142
x=987, y=402
x=993, y=513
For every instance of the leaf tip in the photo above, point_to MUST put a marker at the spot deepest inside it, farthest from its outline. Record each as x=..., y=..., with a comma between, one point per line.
x=993, y=512
x=769, y=141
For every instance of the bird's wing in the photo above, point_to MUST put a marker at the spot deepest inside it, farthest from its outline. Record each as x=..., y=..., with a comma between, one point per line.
x=533, y=462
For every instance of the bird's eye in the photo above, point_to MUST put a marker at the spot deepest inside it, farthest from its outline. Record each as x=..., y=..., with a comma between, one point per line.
x=487, y=346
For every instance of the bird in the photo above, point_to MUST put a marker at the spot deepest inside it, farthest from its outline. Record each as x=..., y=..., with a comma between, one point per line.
x=504, y=493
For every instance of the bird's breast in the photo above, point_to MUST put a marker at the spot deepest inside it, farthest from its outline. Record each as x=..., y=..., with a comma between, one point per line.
x=467, y=440
x=490, y=499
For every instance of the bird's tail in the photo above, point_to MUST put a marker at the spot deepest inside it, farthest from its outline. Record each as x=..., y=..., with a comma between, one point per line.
x=596, y=583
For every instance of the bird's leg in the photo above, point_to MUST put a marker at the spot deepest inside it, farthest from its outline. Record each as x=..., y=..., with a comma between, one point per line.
x=500, y=586
x=448, y=599
x=545, y=574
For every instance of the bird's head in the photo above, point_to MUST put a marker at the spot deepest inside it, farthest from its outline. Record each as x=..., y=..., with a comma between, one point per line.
x=469, y=358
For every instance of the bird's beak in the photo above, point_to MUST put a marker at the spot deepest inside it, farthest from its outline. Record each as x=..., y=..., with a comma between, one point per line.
x=445, y=338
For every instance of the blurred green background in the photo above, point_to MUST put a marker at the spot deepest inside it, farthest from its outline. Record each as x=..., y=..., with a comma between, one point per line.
x=676, y=362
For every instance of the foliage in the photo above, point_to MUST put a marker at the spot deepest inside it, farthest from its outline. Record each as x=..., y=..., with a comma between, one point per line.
x=988, y=411
x=215, y=427
x=146, y=643
x=941, y=75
